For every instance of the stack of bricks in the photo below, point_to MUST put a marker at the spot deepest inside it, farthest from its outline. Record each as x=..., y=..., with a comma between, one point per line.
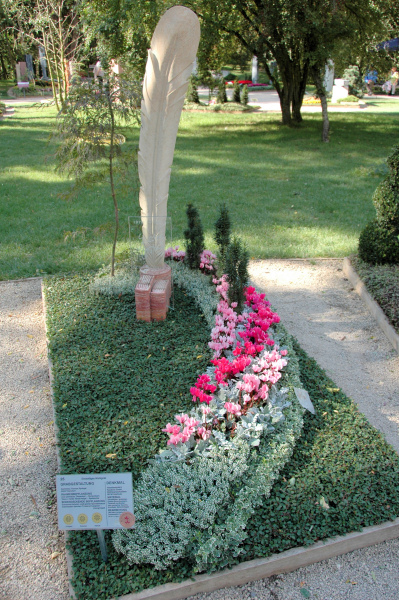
x=152, y=294
x=142, y=295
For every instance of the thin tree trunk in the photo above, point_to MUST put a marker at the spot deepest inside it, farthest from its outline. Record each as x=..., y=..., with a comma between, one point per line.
x=321, y=92
x=51, y=72
x=3, y=67
x=61, y=58
x=111, y=178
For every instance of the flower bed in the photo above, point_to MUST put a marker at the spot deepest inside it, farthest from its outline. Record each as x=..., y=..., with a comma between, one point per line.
x=235, y=442
x=113, y=394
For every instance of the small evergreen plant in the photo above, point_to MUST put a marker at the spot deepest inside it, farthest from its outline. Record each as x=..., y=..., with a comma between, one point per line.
x=194, y=236
x=236, y=269
x=222, y=96
x=356, y=83
x=222, y=233
x=192, y=92
x=236, y=92
x=244, y=95
x=379, y=240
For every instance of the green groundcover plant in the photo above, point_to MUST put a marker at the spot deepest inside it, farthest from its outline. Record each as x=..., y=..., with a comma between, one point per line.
x=113, y=391
x=382, y=282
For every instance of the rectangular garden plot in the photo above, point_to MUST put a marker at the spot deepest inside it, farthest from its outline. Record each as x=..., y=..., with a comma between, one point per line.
x=116, y=382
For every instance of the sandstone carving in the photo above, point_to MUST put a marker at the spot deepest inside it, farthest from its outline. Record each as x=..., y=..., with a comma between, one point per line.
x=169, y=65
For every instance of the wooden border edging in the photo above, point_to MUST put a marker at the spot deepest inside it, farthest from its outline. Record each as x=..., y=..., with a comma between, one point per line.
x=371, y=304
x=252, y=570
x=277, y=563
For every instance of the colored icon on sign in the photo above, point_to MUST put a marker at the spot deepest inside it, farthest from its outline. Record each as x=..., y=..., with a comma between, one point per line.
x=96, y=518
x=68, y=519
x=127, y=520
x=82, y=518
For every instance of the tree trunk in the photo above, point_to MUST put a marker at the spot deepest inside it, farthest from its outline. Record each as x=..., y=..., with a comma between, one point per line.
x=300, y=77
x=321, y=92
x=3, y=67
x=285, y=106
x=111, y=178
x=50, y=70
x=284, y=92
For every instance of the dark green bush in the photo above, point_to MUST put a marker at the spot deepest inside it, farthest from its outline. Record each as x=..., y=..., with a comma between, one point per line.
x=222, y=233
x=386, y=202
x=379, y=241
x=222, y=96
x=244, y=95
x=356, y=83
x=192, y=92
x=194, y=236
x=378, y=245
x=236, y=269
x=237, y=92
x=393, y=164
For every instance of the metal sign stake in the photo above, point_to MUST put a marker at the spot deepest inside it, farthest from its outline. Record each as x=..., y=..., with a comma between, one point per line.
x=103, y=547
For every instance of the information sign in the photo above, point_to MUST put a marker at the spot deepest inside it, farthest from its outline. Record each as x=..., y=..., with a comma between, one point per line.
x=95, y=501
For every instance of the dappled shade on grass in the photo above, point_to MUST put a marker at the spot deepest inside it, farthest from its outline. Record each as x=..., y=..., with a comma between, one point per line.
x=289, y=195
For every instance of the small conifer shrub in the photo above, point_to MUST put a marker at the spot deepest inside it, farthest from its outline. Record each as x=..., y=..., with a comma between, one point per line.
x=236, y=269
x=192, y=91
x=244, y=95
x=222, y=96
x=194, y=236
x=222, y=233
x=236, y=92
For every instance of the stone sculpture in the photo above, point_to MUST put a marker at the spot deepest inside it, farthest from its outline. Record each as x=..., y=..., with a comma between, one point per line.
x=169, y=66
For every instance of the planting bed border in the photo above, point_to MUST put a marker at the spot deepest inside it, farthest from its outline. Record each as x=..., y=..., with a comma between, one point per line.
x=284, y=562
x=371, y=304
x=248, y=571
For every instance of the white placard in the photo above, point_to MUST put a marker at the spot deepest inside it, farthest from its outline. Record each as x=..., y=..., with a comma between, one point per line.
x=95, y=501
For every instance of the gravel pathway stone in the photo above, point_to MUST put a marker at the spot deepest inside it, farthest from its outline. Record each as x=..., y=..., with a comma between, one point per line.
x=32, y=552
x=317, y=305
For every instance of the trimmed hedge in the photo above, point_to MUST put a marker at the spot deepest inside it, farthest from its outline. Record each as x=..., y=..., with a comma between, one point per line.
x=382, y=282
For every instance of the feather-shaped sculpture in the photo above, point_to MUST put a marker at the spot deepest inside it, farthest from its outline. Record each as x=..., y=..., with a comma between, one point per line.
x=169, y=65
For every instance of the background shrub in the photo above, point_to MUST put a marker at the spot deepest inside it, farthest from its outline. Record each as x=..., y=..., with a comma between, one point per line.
x=356, y=83
x=236, y=269
x=222, y=96
x=377, y=245
x=194, y=236
x=244, y=95
x=222, y=233
x=192, y=91
x=236, y=92
x=379, y=240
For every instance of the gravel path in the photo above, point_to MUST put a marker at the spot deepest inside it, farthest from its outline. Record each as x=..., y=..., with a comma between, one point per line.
x=32, y=554
x=317, y=305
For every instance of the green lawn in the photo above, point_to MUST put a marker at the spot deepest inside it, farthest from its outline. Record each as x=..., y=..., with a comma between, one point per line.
x=4, y=86
x=288, y=194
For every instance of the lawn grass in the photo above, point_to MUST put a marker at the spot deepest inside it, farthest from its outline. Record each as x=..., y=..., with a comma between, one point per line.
x=112, y=395
x=5, y=85
x=288, y=194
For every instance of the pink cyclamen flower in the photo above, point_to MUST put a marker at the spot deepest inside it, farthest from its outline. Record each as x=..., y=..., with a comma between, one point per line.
x=233, y=409
x=181, y=418
x=203, y=433
x=172, y=429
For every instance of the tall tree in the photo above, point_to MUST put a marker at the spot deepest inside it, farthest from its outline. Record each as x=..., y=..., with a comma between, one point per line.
x=297, y=34
x=53, y=24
